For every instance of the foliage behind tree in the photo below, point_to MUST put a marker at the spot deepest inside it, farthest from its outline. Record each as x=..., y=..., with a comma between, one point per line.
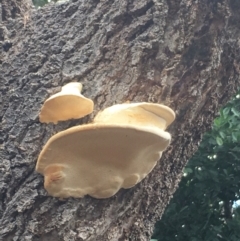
x=204, y=207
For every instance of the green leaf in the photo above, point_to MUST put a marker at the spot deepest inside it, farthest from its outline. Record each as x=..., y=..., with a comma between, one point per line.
x=222, y=134
x=226, y=111
x=219, y=141
x=217, y=122
x=234, y=137
x=235, y=112
x=183, y=209
x=211, y=141
x=188, y=170
x=225, y=171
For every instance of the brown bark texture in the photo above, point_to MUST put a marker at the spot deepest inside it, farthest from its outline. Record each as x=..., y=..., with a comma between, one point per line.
x=182, y=53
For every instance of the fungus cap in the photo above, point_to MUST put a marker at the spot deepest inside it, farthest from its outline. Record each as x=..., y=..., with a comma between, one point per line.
x=99, y=159
x=67, y=104
x=149, y=114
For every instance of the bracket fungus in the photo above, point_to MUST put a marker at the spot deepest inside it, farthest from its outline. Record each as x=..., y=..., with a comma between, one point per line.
x=144, y=114
x=67, y=104
x=117, y=150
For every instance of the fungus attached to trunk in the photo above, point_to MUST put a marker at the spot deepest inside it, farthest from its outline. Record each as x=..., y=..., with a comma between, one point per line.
x=140, y=114
x=69, y=103
x=117, y=151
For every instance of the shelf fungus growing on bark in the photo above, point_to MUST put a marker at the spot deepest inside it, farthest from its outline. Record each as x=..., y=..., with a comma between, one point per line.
x=117, y=150
x=67, y=104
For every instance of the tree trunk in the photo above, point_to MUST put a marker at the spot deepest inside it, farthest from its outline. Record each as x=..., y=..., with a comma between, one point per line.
x=182, y=53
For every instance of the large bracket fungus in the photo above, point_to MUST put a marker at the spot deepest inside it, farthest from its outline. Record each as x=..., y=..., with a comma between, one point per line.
x=69, y=103
x=117, y=150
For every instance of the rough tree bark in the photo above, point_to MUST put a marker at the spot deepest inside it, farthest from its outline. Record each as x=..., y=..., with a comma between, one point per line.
x=183, y=53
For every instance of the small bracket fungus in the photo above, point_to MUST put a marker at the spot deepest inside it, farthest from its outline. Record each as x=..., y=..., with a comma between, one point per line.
x=116, y=151
x=65, y=105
